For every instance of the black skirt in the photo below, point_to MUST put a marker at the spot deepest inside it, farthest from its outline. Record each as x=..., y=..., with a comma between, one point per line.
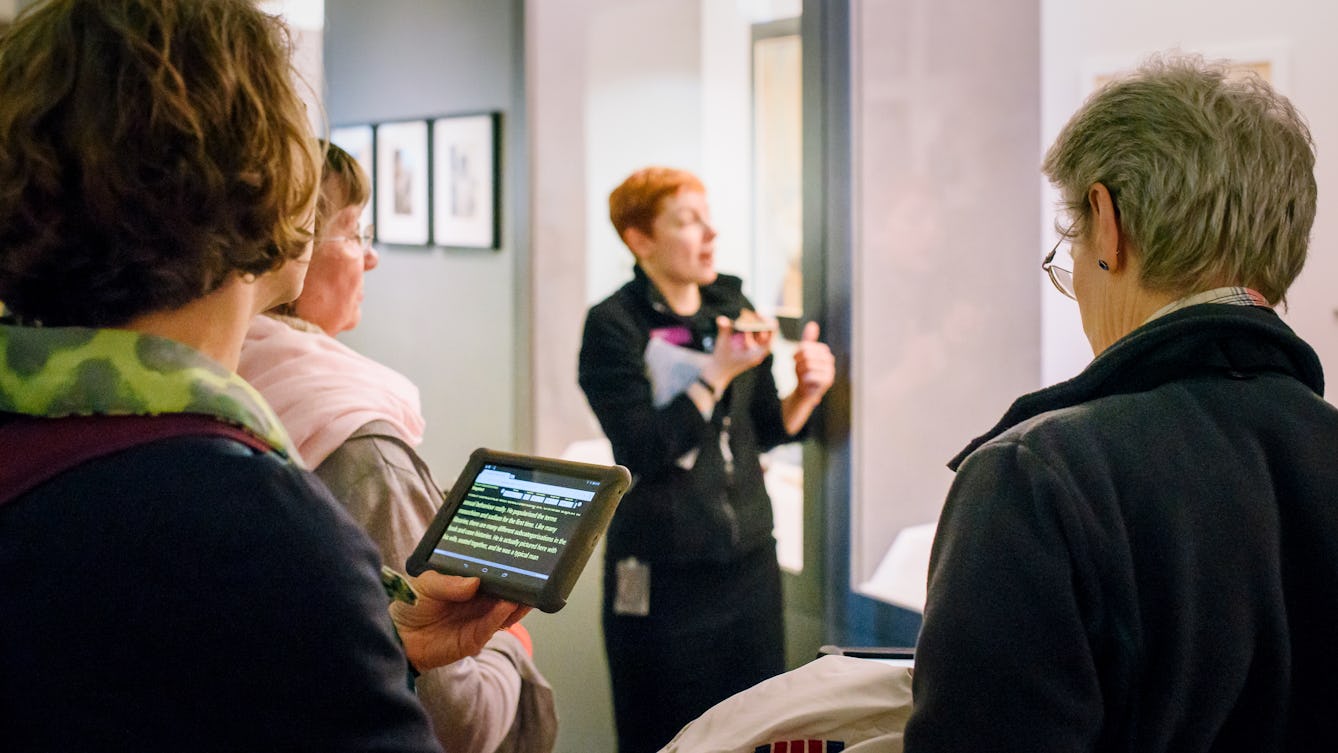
x=713, y=629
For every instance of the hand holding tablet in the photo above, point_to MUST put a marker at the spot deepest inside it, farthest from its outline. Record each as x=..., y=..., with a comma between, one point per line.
x=524, y=525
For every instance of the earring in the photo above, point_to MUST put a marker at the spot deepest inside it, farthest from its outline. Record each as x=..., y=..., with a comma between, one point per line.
x=250, y=277
x=1102, y=263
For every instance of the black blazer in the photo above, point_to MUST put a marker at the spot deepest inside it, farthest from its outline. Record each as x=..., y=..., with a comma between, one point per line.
x=1144, y=558
x=681, y=508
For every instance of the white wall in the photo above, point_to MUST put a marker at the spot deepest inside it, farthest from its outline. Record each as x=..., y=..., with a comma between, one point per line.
x=302, y=14
x=676, y=97
x=555, y=72
x=1077, y=32
x=726, y=138
x=306, y=22
x=946, y=102
x=643, y=107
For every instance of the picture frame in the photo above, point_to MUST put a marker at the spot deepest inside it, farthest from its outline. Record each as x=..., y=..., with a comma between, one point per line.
x=403, y=207
x=466, y=181
x=360, y=141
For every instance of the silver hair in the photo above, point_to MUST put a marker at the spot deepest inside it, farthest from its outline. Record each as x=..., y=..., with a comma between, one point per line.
x=1212, y=175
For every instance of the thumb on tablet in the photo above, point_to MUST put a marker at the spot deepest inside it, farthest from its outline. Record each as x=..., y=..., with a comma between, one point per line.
x=444, y=587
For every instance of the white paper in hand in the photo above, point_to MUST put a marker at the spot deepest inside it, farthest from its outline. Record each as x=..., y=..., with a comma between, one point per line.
x=671, y=369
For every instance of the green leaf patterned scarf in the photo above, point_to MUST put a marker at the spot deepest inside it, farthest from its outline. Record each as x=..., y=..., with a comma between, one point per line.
x=76, y=371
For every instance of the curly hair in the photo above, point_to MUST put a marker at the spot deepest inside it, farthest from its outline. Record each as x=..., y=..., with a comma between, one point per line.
x=636, y=201
x=1212, y=175
x=149, y=149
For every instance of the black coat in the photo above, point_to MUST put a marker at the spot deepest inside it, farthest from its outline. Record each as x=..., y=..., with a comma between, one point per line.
x=673, y=514
x=1144, y=558
x=194, y=594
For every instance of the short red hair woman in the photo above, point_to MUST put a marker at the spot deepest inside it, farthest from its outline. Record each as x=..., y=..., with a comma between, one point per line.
x=692, y=599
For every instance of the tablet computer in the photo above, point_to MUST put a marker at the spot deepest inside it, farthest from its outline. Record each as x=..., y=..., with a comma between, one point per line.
x=524, y=525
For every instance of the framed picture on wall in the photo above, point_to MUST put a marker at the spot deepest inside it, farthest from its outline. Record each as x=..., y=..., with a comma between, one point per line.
x=359, y=141
x=402, y=210
x=466, y=181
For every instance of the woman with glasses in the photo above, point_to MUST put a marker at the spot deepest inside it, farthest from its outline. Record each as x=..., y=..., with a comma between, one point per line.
x=356, y=423
x=1145, y=557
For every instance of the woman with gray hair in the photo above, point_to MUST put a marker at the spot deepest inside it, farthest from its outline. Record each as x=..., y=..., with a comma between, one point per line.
x=1145, y=557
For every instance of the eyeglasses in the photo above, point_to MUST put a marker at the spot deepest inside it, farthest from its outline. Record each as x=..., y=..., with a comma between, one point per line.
x=1062, y=278
x=364, y=237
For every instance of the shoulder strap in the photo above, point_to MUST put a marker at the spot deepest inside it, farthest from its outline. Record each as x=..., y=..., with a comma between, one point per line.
x=38, y=449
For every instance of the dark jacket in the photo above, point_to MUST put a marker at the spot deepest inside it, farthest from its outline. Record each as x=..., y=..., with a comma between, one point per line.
x=673, y=514
x=1144, y=558
x=195, y=594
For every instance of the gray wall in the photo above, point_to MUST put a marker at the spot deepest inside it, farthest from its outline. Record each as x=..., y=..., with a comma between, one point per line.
x=447, y=318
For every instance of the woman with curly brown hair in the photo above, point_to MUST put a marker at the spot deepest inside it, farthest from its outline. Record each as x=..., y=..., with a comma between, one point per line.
x=173, y=579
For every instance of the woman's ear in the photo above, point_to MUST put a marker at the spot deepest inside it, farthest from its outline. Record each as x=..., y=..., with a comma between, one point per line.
x=1105, y=233
x=640, y=243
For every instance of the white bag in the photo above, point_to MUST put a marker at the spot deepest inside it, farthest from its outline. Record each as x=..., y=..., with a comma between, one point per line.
x=861, y=704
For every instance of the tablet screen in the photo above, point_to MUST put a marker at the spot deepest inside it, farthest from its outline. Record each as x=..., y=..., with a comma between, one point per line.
x=513, y=523
x=524, y=525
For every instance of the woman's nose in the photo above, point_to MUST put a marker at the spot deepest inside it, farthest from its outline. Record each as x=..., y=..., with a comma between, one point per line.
x=370, y=259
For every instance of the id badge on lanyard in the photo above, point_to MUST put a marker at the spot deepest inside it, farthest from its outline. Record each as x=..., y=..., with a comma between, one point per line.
x=632, y=597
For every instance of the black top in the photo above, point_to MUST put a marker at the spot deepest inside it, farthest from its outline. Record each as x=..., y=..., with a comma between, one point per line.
x=680, y=509
x=1144, y=558
x=195, y=594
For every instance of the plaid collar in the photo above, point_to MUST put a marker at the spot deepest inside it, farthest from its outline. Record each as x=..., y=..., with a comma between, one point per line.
x=1234, y=296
